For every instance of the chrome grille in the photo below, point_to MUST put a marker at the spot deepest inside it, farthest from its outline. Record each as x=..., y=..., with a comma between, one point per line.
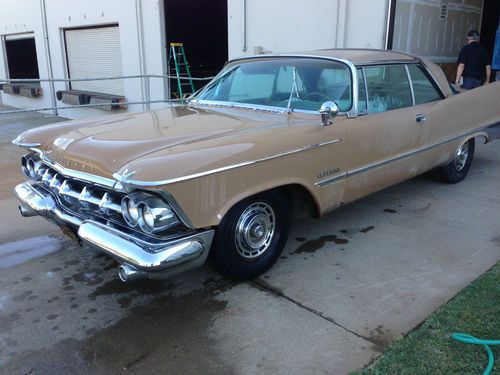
x=81, y=196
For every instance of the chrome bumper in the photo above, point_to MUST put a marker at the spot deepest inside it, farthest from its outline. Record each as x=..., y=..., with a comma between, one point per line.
x=138, y=258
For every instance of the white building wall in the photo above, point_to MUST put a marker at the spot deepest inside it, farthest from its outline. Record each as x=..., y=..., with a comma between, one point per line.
x=297, y=25
x=141, y=37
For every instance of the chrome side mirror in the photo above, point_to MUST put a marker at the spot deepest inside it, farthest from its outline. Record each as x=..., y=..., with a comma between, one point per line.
x=328, y=111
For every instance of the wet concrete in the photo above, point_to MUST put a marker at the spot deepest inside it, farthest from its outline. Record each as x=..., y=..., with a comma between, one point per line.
x=345, y=287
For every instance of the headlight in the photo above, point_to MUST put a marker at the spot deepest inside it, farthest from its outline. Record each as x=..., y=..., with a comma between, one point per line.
x=155, y=215
x=150, y=213
x=130, y=211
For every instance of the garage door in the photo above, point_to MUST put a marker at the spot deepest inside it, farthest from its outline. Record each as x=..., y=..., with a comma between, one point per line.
x=94, y=53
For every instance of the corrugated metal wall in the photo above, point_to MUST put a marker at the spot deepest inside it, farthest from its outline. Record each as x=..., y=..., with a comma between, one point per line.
x=435, y=28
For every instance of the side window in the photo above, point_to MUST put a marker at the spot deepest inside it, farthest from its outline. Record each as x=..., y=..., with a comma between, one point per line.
x=362, y=108
x=388, y=88
x=423, y=88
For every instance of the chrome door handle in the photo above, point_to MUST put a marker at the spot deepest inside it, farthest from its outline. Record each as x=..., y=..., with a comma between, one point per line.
x=420, y=117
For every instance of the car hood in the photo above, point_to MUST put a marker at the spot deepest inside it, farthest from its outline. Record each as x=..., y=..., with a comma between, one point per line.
x=166, y=144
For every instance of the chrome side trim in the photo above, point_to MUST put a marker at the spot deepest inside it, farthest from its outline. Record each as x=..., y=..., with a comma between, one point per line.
x=493, y=132
x=330, y=180
x=139, y=183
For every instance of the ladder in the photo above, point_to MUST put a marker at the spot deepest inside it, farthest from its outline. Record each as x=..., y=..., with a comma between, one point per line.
x=178, y=62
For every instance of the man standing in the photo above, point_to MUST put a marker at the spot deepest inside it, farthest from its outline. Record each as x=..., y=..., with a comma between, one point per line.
x=473, y=63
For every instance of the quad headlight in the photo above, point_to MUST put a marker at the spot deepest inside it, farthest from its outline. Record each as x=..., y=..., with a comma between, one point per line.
x=148, y=212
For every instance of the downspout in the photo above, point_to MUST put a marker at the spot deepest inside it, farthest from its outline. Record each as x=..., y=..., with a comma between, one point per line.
x=391, y=17
x=244, y=49
x=341, y=23
x=140, y=42
x=48, y=57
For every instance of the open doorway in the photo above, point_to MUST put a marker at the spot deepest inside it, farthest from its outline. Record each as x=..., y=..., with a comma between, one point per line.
x=489, y=25
x=201, y=26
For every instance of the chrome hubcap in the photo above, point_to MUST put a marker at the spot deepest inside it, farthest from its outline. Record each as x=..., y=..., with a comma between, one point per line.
x=255, y=230
x=461, y=156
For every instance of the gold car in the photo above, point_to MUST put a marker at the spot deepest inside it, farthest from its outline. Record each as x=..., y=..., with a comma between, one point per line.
x=222, y=174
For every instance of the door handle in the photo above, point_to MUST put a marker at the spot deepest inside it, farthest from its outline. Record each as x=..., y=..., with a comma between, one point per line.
x=420, y=117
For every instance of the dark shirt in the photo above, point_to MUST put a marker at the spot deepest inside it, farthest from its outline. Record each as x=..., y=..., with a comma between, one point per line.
x=475, y=58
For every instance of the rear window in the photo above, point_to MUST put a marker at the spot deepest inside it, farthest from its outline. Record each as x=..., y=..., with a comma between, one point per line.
x=423, y=88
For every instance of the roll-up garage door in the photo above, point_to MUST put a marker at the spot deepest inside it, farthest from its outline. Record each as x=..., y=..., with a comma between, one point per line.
x=93, y=53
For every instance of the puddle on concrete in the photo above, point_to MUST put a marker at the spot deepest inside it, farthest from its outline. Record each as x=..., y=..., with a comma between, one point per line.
x=496, y=241
x=166, y=335
x=422, y=209
x=17, y=252
x=312, y=246
x=367, y=229
x=380, y=338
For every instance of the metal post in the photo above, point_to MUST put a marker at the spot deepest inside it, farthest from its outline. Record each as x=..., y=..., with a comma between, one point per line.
x=148, y=94
x=49, y=59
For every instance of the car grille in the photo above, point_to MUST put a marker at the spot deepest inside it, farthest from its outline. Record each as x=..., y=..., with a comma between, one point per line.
x=82, y=197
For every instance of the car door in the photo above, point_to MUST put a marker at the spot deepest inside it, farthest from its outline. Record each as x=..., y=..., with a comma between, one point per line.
x=385, y=139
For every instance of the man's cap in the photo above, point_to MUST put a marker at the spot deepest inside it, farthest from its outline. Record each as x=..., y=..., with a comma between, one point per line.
x=473, y=34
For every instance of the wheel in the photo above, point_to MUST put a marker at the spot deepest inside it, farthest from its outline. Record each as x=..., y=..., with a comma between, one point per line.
x=251, y=236
x=457, y=169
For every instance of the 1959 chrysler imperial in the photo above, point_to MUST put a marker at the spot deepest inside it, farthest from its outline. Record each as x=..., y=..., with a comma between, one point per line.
x=272, y=134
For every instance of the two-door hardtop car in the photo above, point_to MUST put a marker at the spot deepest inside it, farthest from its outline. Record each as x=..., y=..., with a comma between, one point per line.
x=270, y=135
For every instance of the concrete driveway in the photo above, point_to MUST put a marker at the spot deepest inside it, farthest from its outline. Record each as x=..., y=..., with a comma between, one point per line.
x=346, y=287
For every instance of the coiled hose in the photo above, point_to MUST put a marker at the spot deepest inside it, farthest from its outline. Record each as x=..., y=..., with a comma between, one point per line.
x=468, y=339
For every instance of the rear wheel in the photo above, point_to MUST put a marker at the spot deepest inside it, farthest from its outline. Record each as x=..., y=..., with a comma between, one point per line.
x=251, y=237
x=457, y=169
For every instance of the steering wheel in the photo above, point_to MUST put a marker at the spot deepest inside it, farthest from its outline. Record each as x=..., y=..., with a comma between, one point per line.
x=315, y=94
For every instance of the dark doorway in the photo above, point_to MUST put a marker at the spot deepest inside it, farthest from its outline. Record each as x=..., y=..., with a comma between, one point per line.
x=21, y=58
x=201, y=25
x=489, y=25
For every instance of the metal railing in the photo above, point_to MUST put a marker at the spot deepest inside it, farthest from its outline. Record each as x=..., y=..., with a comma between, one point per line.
x=146, y=97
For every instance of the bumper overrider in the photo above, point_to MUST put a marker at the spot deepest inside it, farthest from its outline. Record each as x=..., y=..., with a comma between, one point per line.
x=139, y=255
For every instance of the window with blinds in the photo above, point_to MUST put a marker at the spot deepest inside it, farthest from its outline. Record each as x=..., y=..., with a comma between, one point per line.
x=95, y=53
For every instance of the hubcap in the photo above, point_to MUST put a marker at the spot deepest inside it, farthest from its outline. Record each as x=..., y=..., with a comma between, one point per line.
x=255, y=230
x=461, y=156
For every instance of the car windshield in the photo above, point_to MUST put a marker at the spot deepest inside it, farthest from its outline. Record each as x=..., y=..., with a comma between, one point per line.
x=296, y=83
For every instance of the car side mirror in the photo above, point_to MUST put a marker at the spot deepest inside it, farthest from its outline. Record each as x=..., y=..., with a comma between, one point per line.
x=328, y=111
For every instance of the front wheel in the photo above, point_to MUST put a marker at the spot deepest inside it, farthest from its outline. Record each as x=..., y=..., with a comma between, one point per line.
x=251, y=236
x=457, y=169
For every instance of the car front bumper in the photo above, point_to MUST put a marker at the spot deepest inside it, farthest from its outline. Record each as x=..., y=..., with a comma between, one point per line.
x=137, y=257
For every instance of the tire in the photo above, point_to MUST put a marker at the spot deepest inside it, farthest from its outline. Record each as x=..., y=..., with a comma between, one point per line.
x=251, y=236
x=458, y=168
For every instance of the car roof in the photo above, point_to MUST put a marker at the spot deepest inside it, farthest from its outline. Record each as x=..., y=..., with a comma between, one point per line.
x=356, y=55
x=363, y=56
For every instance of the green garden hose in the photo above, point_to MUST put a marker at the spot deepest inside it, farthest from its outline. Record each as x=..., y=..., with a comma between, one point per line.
x=468, y=339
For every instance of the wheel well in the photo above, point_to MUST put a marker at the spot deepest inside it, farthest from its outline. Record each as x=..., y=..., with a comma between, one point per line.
x=302, y=201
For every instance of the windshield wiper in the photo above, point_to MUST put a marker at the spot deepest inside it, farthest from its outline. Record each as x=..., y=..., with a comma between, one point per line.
x=295, y=89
